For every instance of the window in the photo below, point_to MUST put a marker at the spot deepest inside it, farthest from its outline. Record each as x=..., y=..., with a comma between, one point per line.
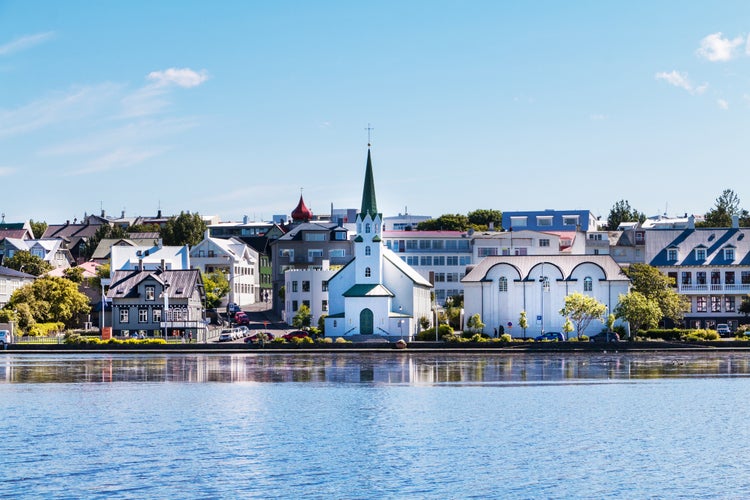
x=451, y=260
x=486, y=251
x=425, y=244
x=294, y=286
x=412, y=244
x=437, y=244
x=745, y=277
x=672, y=254
x=324, y=286
x=368, y=227
x=305, y=286
x=324, y=305
x=715, y=304
x=544, y=242
x=337, y=252
x=335, y=323
x=545, y=283
x=295, y=305
x=700, y=278
x=425, y=260
x=544, y=221
x=150, y=292
x=729, y=303
x=312, y=254
x=464, y=260
x=306, y=303
x=439, y=277
x=588, y=284
x=339, y=236
x=687, y=278
x=518, y=221
x=287, y=252
x=729, y=278
x=700, y=254
x=412, y=260
x=142, y=315
x=672, y=278
x=368, y=272
x=156, y=316
x=502, y=284
x=452, y=277
x=315, y=237
x=124, y=317
x=438, y=260
x=715, y=277
x=571, y=220
x=368, y=250
x=700, y=304
x=729, y=253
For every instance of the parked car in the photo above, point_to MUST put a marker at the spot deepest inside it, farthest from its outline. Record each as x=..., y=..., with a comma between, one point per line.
x=296, y=334
x=226, y=335
x=5, y=337
x=254, y=339
x=242, y=331
x=551, y=337
x=723, y=330
x=233, y=308
x=241, y=318
x=605, y=337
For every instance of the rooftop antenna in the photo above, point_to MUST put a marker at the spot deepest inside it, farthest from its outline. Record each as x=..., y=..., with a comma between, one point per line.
x=369, y=131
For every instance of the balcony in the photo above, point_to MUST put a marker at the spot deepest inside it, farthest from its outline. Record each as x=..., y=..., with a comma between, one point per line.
x=706, y=289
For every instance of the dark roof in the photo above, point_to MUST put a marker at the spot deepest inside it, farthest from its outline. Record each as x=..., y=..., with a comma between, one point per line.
x=369, y=203
x=295, y=234
x=12, y=273
x=375, y=290
x=14, y=233
x=182, y=282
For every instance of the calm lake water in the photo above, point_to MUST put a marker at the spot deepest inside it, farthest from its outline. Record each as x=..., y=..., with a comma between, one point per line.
x=386, y=425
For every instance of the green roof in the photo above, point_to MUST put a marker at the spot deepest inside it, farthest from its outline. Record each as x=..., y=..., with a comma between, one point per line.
x=376, y=290
x=369, y=204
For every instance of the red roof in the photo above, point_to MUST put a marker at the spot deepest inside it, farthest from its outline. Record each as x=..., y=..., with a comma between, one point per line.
x=301, y=213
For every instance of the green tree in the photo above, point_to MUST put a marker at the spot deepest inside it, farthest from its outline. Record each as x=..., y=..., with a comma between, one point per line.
x=446, y=222
x=74, y=274
x=144, y=228
x=654, y=285
x=582, y=310
x=105, y=231
x=322, y=324
x=38, y=228
x=567, y=328
x=745, y=305
x=623, y=212
x=25, y=262
x=611, y=322
x=475, y=325
x=185, y=229
x=523, y=322
x=726, y=206
x=638, y=310
x=50, y=299
x=481, y=219
x=216, y=285
x=302, y=318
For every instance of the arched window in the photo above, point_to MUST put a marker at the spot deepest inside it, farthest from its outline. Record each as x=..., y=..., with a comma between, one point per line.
x=368, y=272
x=367, y=250
x=367, y=227
x=502, y=284
x=588, y=284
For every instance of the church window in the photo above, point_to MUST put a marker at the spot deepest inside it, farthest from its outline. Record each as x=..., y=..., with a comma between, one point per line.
x=587, y=284
x=368, y=227
x=368, y=272
x=368, y=251
x=503, y=284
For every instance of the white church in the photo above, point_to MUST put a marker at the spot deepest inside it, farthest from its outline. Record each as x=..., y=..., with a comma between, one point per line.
x=377, y=293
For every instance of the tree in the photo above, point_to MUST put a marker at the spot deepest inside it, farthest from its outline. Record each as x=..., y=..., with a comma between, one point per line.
x=50, y=299
x=475, y=325
x=582, y=310
x=25, y=262
x=745, y=305
x=216, y=285
x=38, y=228
x=523, y=322
x=638, y=310
x=302, y=318
x=623, y=212
x=481, y=219
x=611, y=322
x=144, y=228
x=726, y=206
x=447, y=222
x=185, y=229
x=74, y=274
x=654, y=285
x=567, y=327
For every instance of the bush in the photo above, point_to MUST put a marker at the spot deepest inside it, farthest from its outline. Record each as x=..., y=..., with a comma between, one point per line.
x=342, y=340
x=701, y=335
x=505, y=337
x=302, y=340
x=429, y=334
x=44, y=329
x=324, y=340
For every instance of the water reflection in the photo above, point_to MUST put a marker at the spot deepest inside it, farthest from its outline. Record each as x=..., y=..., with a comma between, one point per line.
x=380, y=368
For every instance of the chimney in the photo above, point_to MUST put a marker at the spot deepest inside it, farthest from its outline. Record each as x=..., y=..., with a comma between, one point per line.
x=691, y=222
x=163, y=266
x=122, y=214
x=140, y=264
x=158, y=214
x=244, y=219
x=159, y=243
x=735, y=222
x=103, y=213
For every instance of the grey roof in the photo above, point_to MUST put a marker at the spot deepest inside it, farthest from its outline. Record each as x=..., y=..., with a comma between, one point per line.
x=405, y=268
x=713, y=240
x=565, y=263
x=182, y=282
x=12, y=273
x=296, y=232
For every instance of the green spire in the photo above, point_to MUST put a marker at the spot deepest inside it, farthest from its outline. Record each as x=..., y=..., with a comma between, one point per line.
x=369, y=205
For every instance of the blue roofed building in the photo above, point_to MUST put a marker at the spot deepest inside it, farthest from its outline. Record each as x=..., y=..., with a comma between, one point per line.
x=550, y=220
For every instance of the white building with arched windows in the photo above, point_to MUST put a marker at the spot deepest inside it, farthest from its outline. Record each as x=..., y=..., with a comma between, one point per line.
x=500, y=287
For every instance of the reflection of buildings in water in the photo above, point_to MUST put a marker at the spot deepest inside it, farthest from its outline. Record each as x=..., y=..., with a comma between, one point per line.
x=386, y=368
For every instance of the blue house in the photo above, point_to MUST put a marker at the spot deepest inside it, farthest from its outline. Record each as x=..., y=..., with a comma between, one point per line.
x=550, y=220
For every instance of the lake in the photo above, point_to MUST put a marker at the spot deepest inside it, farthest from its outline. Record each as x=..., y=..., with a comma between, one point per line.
x=382, y=425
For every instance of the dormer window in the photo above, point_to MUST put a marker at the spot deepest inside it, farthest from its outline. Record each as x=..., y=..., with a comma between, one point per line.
x=729, y=254
x=672, y=254
x=544, y=221
x=570, y=220
x=700, y=254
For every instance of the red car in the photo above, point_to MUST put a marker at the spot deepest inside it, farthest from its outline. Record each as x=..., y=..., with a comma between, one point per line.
x=254, y=339
x=241, y=318
x=296, y=334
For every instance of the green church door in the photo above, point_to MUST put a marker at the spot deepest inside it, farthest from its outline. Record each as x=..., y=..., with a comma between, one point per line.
x=365, y=322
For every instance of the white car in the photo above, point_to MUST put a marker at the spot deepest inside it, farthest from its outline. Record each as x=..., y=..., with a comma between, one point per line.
x=226, y=335
x=5, y=337
x=723, y=329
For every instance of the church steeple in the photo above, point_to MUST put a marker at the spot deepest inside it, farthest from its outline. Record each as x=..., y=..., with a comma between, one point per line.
x=369, y=204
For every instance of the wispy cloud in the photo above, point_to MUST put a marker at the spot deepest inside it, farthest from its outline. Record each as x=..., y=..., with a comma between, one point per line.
x=182, y=77
x=722, y=103
x=681, y=80
x=119, y=158
x=5, y=171
x=716, y=48
x=25, y=42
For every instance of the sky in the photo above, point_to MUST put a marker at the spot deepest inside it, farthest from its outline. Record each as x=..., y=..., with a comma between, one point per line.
x=234, y=108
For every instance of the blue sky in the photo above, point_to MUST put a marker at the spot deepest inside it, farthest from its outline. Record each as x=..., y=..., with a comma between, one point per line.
x=230, y=108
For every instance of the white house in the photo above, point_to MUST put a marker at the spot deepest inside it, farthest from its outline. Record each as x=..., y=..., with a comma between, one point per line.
x=131, y=258
x=376, y=293
x=500, y=287
x=307, y=287
x=51, y=250
x=234, y=258
x=10, y=281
